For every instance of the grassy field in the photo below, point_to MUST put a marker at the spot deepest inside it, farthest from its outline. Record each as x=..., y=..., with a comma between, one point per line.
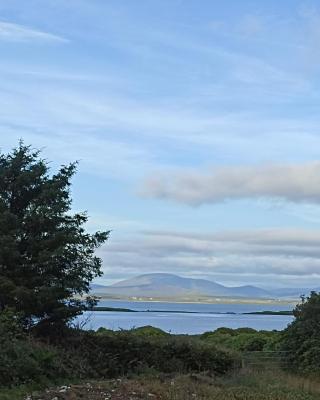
x=246, y=385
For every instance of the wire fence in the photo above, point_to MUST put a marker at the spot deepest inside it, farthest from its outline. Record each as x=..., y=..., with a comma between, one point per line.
x=265, y=359
x=276, y=363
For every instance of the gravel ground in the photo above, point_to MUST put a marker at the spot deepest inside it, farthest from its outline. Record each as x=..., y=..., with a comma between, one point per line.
x=108, y=390
x=182, y=388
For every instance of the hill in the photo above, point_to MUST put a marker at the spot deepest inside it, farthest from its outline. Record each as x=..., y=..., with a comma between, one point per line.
x=162, y=285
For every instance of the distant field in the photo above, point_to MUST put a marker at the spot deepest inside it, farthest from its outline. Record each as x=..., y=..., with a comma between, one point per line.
x=199, y=300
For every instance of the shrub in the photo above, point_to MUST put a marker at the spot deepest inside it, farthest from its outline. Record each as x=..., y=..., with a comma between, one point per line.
x=243, y=339
x=104, y=331
x=254, y=343
x=103, y=354
x=22, y=359
x=149, y=331
x=225, y=331
x=119, y=353
x=301, y=339
x=245, y=330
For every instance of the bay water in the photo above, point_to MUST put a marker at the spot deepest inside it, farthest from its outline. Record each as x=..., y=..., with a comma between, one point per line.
x=186, y=318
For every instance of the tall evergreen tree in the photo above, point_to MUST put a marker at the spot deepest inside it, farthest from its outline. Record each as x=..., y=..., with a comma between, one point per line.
x=47, y=258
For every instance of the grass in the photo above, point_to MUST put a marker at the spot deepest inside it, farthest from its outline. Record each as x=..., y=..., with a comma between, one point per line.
x=20, y=392
x=247, y=385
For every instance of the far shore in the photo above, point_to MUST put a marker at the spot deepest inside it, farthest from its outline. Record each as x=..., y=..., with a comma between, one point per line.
x=115, y=309
x=204, y=300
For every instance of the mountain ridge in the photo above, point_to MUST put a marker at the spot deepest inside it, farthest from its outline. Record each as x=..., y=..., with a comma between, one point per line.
x=166, y=284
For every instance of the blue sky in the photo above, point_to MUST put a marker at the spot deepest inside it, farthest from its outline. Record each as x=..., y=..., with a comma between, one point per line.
x=196, y=124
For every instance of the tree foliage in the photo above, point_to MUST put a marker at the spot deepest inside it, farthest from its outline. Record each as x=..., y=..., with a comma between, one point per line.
x=301, y=339
x=47, y=258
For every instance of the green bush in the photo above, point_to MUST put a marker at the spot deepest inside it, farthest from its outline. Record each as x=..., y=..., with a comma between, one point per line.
x=301, y=339
x=245, y=330
x=22, y=359
x=149, y=331
x=254, y=343
x=243, y=339
x=223, y=331
x=104, y=331
x=119, y=353
x=25, y=358
x=10, y=325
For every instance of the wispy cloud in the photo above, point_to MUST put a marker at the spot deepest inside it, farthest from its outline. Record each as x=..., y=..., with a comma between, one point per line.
x=141, y=89
x=21, y=33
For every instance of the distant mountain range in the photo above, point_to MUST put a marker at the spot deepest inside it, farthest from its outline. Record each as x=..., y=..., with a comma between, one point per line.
x=163, y=285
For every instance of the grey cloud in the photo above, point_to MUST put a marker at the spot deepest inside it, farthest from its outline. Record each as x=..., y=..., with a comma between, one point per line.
x=294, y=183
x=259, y=236
x=250, y=256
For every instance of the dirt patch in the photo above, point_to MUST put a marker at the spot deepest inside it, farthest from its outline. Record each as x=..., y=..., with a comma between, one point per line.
x=107, y=390
x=183, y=387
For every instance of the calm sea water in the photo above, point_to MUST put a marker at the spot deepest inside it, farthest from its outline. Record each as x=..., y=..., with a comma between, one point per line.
x=209, y=316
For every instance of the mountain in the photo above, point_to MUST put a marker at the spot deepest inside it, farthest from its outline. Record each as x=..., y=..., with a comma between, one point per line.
x=290, y=292
x=96, y=286
x=249, y=291
x=169, y=285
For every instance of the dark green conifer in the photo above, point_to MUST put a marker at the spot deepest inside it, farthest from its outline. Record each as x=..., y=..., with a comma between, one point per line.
x=47, y=258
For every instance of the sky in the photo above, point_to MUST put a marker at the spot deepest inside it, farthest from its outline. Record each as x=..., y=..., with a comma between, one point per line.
x=196, y=125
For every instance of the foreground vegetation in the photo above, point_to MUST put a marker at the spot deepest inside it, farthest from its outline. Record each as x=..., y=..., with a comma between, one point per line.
x=266, y=385
x=146, y=363
x=76, y=354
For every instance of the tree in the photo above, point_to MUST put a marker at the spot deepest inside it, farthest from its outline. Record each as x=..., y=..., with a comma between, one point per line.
x=47, y=258
x=301, y=338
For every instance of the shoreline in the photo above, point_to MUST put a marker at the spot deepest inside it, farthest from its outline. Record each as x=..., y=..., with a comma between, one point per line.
x=203, y=301
x=128, y=310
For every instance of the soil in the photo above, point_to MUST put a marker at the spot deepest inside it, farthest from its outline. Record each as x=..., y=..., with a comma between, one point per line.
x=107, y=390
